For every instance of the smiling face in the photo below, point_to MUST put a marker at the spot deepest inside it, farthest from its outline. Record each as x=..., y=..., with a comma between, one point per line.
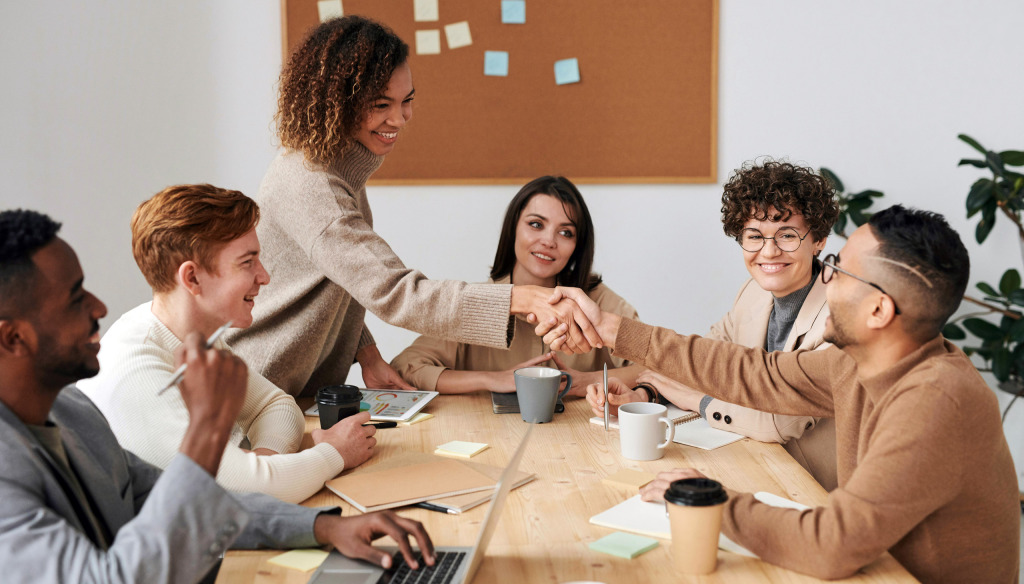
x=848, y=297
x=66, y=323
x=782, y=272
x=388, y=113
x=545, y=240
x=228, y=292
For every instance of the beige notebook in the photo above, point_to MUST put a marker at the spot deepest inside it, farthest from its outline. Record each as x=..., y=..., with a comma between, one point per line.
x=371, y=490
x=456, y=503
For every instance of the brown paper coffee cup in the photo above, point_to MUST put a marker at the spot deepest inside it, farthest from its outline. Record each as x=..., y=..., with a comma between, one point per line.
x=695, y=514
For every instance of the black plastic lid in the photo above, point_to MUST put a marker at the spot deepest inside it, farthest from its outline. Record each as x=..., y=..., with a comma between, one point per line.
x=696, y=493
x=337, y=394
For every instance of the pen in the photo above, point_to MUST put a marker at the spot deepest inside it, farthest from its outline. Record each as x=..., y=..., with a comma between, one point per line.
x=438, y=508
x=605, y=397
x=382, y=425
x=180, y=372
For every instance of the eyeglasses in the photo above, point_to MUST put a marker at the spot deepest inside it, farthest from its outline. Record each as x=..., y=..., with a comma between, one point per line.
x=830, y=268
x=786, y=239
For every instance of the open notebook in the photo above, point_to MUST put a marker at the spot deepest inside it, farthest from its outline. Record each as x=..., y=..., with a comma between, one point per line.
x=691, y=429
x=650, y=519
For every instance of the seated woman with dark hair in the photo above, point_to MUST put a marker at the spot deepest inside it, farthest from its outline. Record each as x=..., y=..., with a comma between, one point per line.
x=780, y=214
x=547, y=239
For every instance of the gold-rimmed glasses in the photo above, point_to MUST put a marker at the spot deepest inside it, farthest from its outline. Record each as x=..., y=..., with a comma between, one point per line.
x=786, y=239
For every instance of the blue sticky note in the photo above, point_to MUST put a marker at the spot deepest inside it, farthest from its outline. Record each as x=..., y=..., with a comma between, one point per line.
x=513, y=11
x=624, y=545
x=496, y=63
x=567, y=71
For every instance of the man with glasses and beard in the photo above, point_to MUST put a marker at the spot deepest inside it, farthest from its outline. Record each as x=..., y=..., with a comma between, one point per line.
x=924, y=469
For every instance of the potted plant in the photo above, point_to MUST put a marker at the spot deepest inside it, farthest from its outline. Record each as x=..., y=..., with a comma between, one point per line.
x=999, y=343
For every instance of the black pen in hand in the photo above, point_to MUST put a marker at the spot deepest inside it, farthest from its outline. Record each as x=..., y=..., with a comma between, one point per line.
x=382, y=425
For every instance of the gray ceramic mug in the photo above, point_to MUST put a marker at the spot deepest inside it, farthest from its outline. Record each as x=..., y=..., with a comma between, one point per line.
x=537, y=390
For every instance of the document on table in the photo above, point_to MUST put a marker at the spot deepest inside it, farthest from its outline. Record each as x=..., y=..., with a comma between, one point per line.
x=651, y=519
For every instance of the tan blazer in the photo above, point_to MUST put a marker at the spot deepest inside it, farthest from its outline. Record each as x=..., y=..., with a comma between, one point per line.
x=811, y=441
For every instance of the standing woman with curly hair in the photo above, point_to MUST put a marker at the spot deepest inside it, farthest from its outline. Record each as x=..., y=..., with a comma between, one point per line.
x=345, y=97
x=780, y=214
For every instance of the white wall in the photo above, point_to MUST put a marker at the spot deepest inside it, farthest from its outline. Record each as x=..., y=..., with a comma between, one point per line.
x=105, y=102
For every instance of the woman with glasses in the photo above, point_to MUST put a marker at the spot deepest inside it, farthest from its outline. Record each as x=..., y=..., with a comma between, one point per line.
x=780, y=214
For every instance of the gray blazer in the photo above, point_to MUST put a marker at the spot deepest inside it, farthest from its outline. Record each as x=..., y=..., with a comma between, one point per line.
x=168, y=526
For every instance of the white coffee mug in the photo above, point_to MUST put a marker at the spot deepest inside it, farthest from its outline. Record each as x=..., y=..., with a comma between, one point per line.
x=640, y=431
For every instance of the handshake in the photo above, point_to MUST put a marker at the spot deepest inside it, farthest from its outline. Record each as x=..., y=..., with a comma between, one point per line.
x=567, y=319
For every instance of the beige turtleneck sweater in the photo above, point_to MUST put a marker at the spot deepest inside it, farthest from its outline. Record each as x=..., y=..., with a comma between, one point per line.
x=327, y=267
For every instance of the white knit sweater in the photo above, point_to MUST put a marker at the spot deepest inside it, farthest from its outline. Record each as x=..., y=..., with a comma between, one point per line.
x=137, y=359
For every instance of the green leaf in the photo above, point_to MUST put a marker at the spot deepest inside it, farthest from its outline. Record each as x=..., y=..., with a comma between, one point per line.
x=832, y=178
x=1012, y=157
x=973, y=162
x=857, y=217
x=858, y=204
x=988, y=221
x=1017, y=331
x=1010, y=282
x=981, y=193
x=840, y=224
x=983, y=329
x=995, y=163
x=974, y=143
x=1001, y=364
x=1017, y=297
x=953, y=332
x=987, y=289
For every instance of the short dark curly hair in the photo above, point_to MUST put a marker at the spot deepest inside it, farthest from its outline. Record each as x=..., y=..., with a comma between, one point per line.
x=330, y=83
x=22, y=233
x=756, y=187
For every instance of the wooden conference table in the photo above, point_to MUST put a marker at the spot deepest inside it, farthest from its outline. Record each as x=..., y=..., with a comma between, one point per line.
x=545, y=529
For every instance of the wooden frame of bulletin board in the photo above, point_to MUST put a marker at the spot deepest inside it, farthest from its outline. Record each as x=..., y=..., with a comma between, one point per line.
x=645, y=109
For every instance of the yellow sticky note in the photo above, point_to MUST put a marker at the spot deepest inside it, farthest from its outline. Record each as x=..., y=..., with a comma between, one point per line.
x=420, y=417
x=458, y=35
x=428, y=42
x=625, y=477
x=328, y=9
x=425, y=10
x=301, y=560
x=460, y=448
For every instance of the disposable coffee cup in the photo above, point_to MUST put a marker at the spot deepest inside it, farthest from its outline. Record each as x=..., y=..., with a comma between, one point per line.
x=537, y=392
x=336, y=402
x=695, y=515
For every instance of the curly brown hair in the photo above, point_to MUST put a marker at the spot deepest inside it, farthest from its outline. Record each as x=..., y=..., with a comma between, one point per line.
x=330, y=84
x=755, y=188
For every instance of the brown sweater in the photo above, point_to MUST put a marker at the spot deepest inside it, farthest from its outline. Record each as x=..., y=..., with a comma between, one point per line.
x=327, y=267
x=924, y=469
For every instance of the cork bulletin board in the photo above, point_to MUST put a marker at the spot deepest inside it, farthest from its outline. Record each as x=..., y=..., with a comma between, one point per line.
x=643, y=111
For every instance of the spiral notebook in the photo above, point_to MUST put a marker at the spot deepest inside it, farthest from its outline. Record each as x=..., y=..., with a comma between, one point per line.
x=691, y=429
x=676, y=415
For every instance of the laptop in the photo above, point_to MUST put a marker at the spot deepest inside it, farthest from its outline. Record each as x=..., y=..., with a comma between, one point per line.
x=455, y=565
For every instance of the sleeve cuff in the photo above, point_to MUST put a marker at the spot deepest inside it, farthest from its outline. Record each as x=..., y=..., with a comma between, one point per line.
x=704, y=403
x=485, y=315
x=633, y=340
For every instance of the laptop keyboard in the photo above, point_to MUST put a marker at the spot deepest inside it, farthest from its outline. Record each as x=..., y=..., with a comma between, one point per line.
x=442, y=572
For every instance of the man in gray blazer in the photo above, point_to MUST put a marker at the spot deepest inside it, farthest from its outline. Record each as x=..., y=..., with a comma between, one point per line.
x=76, y=507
